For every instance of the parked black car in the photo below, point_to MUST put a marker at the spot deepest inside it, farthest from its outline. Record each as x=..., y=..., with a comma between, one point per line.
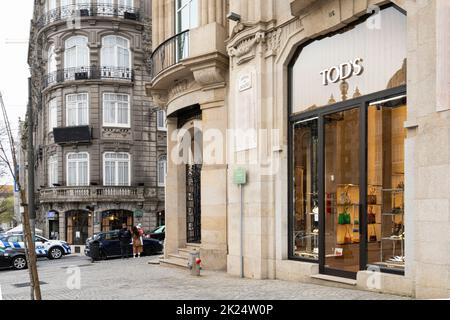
x=159, y=233
x=13, y=258
x=109, y=245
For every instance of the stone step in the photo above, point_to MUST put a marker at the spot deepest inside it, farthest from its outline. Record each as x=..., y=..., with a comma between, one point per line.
x=184, y=252
x=332, y=280
x=173, y=263
x=177, y=257
x=193, y=246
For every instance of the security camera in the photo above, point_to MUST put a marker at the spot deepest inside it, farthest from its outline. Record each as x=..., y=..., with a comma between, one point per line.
x=234, y=17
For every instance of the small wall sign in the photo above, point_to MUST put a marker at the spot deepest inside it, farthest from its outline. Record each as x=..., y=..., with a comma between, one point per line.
x=342, y=72
x=245, y=82
x=240, y=176
x=138, y=214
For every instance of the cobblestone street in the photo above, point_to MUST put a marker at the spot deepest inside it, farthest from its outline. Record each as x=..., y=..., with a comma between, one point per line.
x=137, y=280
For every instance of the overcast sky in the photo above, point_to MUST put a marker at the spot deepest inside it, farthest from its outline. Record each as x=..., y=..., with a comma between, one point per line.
x=15, y=19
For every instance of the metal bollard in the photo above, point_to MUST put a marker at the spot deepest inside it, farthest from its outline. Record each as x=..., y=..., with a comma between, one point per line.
x=195, y=263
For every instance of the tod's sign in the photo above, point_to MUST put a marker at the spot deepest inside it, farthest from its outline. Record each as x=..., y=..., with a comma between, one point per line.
x=342, y=72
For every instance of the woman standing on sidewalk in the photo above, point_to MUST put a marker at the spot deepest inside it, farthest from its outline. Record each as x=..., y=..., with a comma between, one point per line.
x=137, y=243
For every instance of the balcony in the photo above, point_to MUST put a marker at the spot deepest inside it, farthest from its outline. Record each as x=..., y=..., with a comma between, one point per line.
x=170, y=53
x=88, y=73
x=68, y=13
x=93, y=194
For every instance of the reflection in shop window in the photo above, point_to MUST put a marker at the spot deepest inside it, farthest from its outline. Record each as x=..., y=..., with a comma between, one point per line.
x=386, y=176
x=306, y=205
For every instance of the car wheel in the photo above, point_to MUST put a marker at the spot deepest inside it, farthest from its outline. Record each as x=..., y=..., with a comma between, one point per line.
x=55, y=253
x=19, y=263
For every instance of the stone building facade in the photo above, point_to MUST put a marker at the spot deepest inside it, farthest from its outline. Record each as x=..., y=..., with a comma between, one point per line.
x=337, y=110
x=100, y=145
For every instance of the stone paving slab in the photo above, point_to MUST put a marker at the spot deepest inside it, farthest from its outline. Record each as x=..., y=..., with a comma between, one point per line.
x=135, y=279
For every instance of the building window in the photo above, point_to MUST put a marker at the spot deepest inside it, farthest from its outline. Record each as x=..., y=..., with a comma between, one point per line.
x=77, y=109
x=116, y=169
x=127, y=4
x=186, y=15
x=52, y=170
x=78, y=169
x=52, y=115
x=161, y=120
x=51, y=5
x=162, y=171
x=51, y=60
x=76, y=58
x=116, y=110
x=115, y=52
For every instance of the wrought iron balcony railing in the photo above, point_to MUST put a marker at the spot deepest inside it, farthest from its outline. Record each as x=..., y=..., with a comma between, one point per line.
x=88, y=73
x=88, y=10
x=170, y=53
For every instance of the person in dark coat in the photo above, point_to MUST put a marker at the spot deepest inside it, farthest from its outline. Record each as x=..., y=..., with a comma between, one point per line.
x=125, y=240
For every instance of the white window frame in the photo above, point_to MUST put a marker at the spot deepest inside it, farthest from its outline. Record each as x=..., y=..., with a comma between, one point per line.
x=162, y=164
x=52, y=114
x=190, y=5
x=78, y=65
x=115, y=48
x=51, y=5
x=161, y=120
x=116, y=169
x=52, y=168
x=77, y=184
x=116, y=107
x=77, y=122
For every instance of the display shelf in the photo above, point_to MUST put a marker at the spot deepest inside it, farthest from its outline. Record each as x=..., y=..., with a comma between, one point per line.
x=392, y=214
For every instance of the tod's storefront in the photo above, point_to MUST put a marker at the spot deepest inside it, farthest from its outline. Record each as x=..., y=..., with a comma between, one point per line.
x=347, y=111
x=355, y=95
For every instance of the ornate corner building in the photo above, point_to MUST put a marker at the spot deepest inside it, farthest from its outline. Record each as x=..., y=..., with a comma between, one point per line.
x=100, y=146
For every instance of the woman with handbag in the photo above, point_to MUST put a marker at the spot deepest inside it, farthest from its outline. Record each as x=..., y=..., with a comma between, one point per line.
x=138, y=246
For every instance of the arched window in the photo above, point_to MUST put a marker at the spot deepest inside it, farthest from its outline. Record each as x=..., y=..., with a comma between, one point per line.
x=116, y=52
x=162, y=171
x=78, y=169
x=116, y=169
x=51, y=60
x=76, y=54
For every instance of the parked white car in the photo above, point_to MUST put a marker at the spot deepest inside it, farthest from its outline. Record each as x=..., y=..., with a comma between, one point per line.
x=52, y=249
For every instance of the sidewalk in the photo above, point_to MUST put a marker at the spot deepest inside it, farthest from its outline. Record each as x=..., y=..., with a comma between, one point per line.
x=136, y=279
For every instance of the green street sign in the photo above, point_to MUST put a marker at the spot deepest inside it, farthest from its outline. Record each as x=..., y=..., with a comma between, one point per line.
x=240, y=176
x=138, y=213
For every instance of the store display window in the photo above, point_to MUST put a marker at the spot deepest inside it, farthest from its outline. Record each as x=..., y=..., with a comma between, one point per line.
x=346, y=157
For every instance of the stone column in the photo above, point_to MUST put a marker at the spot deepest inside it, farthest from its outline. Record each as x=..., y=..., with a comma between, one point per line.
x=155, y=24
x=169, y=18
x=175, y=195
x=214, y=186
x=160, y=21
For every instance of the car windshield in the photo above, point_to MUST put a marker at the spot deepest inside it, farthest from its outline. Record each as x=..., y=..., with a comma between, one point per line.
x=159, y=230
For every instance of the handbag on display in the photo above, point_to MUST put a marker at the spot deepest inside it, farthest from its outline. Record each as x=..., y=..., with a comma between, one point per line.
x=372, y=197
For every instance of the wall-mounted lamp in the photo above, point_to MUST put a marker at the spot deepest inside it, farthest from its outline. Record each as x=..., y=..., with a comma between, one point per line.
x=234, y=17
